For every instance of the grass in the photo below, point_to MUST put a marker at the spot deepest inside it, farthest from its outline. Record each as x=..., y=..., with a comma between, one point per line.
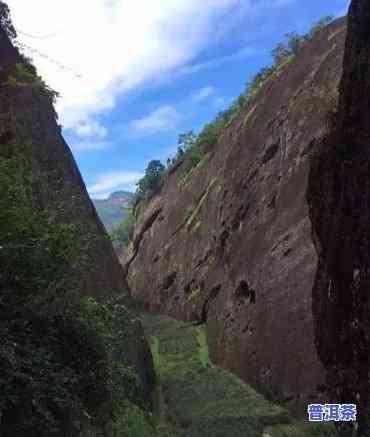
x=202, y=400
x=203, y=347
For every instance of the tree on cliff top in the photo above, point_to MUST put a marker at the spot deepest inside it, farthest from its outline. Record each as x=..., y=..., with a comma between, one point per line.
x=151, y=182
x=5, y=21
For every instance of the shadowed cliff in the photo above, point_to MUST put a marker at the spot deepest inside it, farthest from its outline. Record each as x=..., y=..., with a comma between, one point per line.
x=339, y=193
x=28, y=117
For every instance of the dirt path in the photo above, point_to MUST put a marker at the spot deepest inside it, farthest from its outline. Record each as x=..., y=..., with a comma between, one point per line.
x=198, y=399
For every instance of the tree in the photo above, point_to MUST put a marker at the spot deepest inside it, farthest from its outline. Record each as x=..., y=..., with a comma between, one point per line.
x=319, y=25
x=151, y=182
x=294, y=42
x=280, y=53
x=6, y=22
x=124, y=232
x=187, y=140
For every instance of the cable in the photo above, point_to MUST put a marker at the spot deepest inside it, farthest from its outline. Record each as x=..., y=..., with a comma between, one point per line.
x=36, y=36
x=48, y=58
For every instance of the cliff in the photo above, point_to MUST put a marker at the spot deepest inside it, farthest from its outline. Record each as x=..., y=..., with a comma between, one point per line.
x=338, y=195
x=28, y=117
x=231, y=244
x=73, y=362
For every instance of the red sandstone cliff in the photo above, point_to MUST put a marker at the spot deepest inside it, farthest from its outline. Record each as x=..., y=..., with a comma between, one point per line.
x=232, y=244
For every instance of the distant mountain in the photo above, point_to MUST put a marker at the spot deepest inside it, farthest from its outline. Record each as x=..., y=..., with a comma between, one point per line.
x=112, y=210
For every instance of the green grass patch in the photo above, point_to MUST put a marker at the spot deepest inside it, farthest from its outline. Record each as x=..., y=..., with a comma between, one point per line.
x=202, y=400
x=203, y=347
x=299, y=429
x=154, y=346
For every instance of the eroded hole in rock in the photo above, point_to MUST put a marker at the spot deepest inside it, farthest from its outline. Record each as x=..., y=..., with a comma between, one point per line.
x=252, y=176
x=190, y=286
x=205, y=308
x=169, y=281
x=270, y=153
x=244, y=292
x=239, y=217
x=225, y=234
x=272, y=203
x=248, y=329
x=308, y=148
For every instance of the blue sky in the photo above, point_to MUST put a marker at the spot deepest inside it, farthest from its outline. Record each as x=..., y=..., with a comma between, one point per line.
x=150, y=70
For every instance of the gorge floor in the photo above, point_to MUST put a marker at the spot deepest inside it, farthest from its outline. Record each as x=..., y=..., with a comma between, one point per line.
x=195, y=398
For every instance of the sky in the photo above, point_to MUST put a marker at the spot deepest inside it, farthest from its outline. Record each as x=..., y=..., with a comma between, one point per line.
x=133, y=75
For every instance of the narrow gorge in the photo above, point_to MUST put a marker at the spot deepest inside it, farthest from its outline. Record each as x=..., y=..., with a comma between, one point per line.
x=242, y=295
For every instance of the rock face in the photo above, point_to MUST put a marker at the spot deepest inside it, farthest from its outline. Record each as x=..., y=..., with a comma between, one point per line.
x=232, y=244
x=338, y=194
x=28, y=118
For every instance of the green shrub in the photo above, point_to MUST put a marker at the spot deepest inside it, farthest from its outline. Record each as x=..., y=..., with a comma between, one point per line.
x=124, y=232
x=5, y=21
x=62, y=359
x=52, y=367
x=24, y=74
x=152, y=181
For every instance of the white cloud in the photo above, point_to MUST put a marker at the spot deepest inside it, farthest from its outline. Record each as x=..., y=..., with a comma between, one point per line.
x=239, y=55
x=83, y=146
x=90, y=128
x=116, y=45
x=112, y=181
x=164, y=118
x=203, y=94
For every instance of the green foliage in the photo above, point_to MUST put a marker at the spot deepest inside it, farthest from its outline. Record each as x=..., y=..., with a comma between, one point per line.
x=152, y=181
x=320, y=25
x=202, y=400
x=62, y=359
x=129, y=408
x=49, y=362
x=24, y=74
x=131, y=421
x=279, y=53
x=113, y=209
x=187, y=140
x=124, y=232
x=29, y=239
x=150, y=184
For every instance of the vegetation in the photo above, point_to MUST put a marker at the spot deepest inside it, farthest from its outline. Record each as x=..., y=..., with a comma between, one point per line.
x=199, y=399
x=124, y=232
x=24, y=74
x=113, y=209
x=5, y=21
x=60, y=374
x=151, y=182
x=192, y=148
